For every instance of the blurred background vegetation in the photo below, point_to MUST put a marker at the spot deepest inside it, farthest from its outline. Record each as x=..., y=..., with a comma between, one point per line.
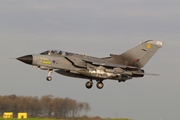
x=47, y=108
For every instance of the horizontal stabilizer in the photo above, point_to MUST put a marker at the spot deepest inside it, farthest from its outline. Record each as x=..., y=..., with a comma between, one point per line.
x=147, y=74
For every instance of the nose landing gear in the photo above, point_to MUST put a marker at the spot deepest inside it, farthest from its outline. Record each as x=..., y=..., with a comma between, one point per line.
x=49, y=78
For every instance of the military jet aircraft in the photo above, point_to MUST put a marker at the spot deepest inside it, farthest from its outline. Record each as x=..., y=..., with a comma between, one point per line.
x=116, y=67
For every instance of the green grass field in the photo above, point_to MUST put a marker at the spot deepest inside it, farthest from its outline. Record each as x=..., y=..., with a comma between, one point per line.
x=62, y=119
x=32, y=119
x=35, y=119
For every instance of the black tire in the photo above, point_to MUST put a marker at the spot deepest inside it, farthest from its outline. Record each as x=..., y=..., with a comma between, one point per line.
x=89, y=84
x=49, y=78
x=100, y=85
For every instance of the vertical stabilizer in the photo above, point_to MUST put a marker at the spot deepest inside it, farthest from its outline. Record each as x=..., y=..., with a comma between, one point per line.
x=139, y=55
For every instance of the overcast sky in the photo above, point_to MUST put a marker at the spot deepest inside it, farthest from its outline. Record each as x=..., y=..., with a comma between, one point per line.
x=96, y=28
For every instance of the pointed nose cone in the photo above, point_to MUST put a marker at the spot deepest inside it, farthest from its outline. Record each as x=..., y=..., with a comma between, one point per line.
x=28, y=59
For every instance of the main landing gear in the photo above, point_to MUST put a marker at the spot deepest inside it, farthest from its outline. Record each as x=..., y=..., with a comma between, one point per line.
x=49, y=78
x=99, y=84
x=89, y=84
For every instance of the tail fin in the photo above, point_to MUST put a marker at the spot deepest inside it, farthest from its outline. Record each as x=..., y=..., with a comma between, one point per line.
x=139, y=55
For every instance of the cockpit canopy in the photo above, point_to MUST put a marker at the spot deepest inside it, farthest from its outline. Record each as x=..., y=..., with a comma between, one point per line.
x=55, y=52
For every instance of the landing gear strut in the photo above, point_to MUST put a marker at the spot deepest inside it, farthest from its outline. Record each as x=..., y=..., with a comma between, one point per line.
x=49, y=78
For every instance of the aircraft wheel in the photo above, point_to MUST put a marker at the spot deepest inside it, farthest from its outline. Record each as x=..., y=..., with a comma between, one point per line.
x=89, y=84
x=100, y=85
x=49, y=78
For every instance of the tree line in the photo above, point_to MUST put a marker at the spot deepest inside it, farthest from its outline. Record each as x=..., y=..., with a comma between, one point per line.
x=46, y=106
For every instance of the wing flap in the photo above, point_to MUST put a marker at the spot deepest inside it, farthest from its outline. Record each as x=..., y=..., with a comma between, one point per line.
x=113, y=65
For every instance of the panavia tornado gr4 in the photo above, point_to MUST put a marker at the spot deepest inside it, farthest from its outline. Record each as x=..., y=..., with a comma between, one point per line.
x=116, y=67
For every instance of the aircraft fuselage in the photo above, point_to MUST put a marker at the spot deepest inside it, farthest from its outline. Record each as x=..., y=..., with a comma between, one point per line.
x=117, y=67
